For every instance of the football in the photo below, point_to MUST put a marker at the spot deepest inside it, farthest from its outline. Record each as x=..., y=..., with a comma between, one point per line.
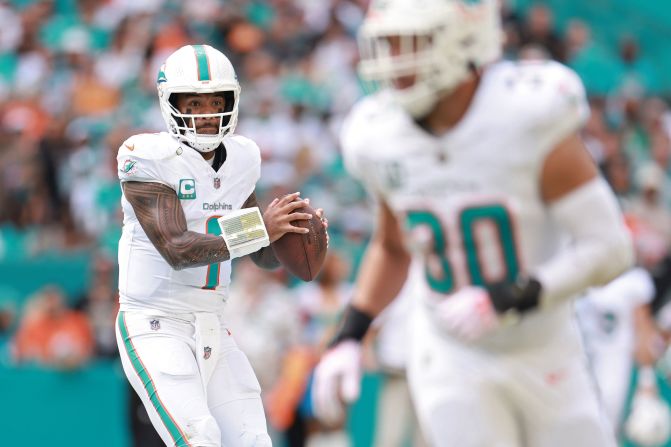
x=303, y=254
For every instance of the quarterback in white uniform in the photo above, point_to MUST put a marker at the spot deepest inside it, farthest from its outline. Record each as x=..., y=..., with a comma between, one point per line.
x=174, y=265
x=492, y=209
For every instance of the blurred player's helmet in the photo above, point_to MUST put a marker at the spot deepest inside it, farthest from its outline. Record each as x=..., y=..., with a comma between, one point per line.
x=649, y=423
x=198, y=69
x=435, y=42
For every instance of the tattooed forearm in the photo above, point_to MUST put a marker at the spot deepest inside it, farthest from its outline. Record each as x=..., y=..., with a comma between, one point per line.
x=161, y=216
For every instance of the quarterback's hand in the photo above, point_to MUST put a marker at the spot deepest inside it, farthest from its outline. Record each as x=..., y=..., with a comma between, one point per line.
x=278, y=216
x=337, y=381
x=468, y=314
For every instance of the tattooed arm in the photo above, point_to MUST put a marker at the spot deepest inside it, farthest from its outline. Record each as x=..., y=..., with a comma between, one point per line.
x=265, y=257
x=161, y=216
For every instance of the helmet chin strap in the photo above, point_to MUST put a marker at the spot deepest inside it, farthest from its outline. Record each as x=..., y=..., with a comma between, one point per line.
x=419, y=108
x=206, y=150
x=420, y=103
x=202, y=143
x=204, y=147
x=199, y=144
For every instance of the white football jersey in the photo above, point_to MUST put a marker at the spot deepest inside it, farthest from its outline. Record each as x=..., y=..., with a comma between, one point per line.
x=146, y=280
x=606, y=316
x=606, y=313
x=470, y=199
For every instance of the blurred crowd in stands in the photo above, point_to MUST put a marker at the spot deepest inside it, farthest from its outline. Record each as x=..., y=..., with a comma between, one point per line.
x=77, y=77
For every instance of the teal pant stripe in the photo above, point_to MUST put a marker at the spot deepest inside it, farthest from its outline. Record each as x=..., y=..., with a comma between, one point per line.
x=175, y=432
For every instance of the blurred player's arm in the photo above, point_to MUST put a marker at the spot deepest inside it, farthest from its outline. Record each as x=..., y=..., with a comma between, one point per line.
x=583, y=204
x=384, y=268
x=381, y=276
x=160, y=213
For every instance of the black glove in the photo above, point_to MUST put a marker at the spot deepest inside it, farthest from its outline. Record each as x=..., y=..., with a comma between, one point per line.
x=522, y=296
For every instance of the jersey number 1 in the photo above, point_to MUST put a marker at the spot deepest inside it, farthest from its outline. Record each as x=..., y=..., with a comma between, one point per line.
x=496, y=214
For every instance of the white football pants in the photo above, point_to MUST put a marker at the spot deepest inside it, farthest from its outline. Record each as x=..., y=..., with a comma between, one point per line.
x=471, y=397
x=196, y=384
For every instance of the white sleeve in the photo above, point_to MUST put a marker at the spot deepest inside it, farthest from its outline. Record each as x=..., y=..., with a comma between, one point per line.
x=143, y=159
x=599, y=249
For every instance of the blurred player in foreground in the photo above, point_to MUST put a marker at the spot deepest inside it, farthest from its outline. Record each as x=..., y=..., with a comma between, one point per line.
x=177, y=351
x=494, y=211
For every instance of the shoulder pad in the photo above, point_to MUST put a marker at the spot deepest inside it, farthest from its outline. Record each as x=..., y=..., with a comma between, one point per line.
x=373, y=120
x=556, y=92
x=145, y=158
x=150, y=146
x=563, y=107
x=544, y=97
x=243, y=143
x=244, y=156
x=365, y=117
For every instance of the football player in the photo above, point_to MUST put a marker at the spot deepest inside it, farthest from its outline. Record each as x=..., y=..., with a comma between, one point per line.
x=175, y=258
x=616, y=323
x=491, y=207
x=620, y=332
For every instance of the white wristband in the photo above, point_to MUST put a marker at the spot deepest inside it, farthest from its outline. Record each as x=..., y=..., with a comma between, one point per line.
x=244, y=231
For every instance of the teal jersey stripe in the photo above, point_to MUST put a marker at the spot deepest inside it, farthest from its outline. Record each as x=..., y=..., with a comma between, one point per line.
x=203, y=63
x=212, y=227
x=177, y=435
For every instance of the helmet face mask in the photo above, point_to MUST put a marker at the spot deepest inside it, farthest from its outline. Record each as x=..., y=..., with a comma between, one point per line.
x=198, y=70
x=402, y=58
x=421, y=49
x=403, y=64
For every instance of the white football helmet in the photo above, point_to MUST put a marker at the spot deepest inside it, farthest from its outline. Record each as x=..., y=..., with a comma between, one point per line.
x=198, y=69
x=441, y=41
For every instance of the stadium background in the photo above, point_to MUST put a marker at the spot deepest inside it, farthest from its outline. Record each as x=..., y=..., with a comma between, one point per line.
x=77, y=78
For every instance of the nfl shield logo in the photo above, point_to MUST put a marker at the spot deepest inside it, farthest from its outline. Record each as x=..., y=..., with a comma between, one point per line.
x=217, y=183
x=155, y=325
x=207, y=352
